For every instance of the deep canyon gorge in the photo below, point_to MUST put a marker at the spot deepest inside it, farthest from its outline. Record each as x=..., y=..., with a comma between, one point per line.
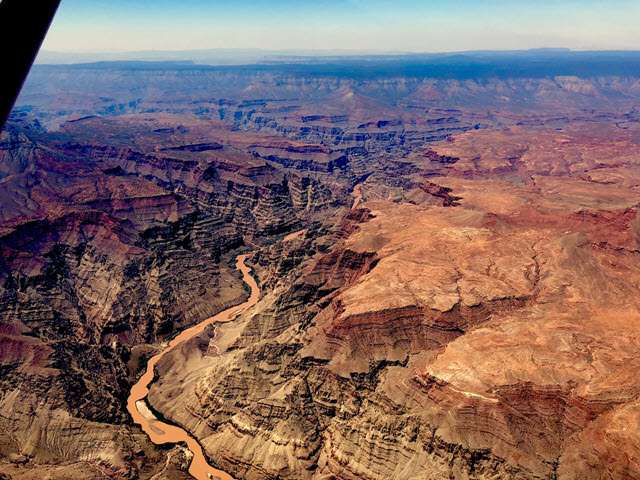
x=446, y=271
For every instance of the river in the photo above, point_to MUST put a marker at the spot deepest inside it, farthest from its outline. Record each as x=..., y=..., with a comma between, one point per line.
x=160, y=432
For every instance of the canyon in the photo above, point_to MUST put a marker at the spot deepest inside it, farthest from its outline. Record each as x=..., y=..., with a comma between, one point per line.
x=446, y=272
x=161, y=433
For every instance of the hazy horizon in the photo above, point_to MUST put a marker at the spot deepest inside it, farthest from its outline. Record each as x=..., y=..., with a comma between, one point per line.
x=407, y=26
x=356, y=59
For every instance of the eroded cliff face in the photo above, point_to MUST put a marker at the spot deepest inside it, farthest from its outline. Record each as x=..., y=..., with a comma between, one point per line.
x=490, y=338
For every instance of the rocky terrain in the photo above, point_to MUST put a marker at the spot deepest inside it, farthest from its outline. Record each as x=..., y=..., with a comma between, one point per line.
x=490, y=338
x=448, y=266
x=106, y=251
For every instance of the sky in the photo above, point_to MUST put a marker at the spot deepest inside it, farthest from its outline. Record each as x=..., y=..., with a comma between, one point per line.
x=368, y=25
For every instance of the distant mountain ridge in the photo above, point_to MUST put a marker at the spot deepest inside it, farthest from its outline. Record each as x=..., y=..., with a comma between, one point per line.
x=539, y=63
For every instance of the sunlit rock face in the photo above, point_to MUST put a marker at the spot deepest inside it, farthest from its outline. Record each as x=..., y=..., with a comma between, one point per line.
x=493, y=338
x=449, y=274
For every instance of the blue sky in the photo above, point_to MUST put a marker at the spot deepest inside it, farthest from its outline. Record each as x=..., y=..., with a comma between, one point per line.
x=397, y=25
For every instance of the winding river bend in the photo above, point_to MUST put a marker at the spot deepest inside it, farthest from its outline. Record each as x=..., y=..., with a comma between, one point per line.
x=160, y=432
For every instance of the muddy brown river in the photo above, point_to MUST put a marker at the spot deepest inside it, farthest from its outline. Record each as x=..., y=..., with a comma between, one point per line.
x=162, y=433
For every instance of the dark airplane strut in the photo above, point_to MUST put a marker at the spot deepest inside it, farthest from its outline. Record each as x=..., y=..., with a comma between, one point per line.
x=23, y=26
